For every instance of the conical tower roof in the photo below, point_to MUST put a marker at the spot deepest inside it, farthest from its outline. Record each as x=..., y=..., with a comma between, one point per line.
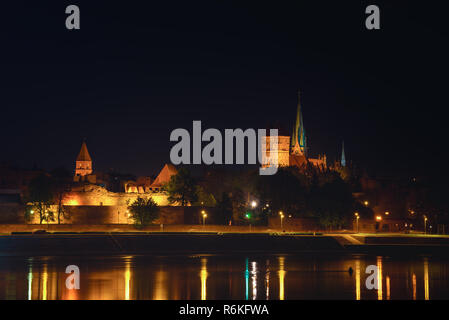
x=299, y=142
x=84, y=154
x=343, y=157
x=164, y=176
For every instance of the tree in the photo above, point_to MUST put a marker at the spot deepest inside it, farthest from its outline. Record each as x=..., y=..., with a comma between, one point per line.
x=182, y=188
x=61, y=179
x=143, y=211
x=284, y=191
x=40, y=196
x=224, y=209
x=204, y=198
x=331, y=201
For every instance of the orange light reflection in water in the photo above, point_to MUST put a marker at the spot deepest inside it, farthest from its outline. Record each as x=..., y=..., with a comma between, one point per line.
x=357, y=280
x=414, y=286
x=379, y=278
x=281, y=273
x=203, y=276
x=426, y=279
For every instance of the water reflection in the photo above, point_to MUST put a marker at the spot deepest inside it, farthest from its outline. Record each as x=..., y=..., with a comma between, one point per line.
x=127, y=278
x=426, y=278
x=387, y=284
x=246, y=279
x=203, y=275
x=30, y=282
x=267, y=280
x=44, y=282
x=254, y=279
x=223, y=277
x=357, y=279
x=379, y=278
x=160, y=286
x=281, y=273
x=414, y=286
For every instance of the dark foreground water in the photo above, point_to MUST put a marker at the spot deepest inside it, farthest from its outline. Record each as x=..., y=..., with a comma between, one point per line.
x=308, y=276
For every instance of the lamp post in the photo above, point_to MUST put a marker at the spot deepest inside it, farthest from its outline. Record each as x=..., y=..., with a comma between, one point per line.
x=204, y=217
x=253, y=204
x=357, y=217
x=425, y=225
x=378, y=220
x=281, y=215
x=247, y=217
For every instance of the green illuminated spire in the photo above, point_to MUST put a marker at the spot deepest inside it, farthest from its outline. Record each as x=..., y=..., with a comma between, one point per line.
x=343, y=158
x=299, y=141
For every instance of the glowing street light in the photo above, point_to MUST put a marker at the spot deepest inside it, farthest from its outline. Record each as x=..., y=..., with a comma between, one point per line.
x=366, y=203
x=204, y=217
x=425, y=223
x=387, y=213
x=253, y=204
x=281, y=215
x=378, y=218
x=357, y=217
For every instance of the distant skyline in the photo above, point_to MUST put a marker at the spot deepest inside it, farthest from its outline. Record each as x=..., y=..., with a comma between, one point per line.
x=135, y=72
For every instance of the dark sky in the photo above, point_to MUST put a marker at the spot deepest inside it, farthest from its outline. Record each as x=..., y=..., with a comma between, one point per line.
x=137, y=70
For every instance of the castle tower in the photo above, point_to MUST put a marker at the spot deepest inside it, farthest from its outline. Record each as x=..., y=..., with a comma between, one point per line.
x=299, y=140
x=83, y=162
x=281, y=146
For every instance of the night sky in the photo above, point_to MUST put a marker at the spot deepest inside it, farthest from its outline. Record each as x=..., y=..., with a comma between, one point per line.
x=137, y=70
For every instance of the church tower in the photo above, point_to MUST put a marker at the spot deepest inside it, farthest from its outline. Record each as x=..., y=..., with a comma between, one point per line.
x=343, y=157
x=299, y=140
x=83, y=162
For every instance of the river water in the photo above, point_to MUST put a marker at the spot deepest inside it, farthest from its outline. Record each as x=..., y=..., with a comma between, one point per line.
x=203, y=277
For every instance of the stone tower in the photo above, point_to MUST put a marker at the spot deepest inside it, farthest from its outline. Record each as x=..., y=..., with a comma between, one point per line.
x=281, y=147
x=83, y=162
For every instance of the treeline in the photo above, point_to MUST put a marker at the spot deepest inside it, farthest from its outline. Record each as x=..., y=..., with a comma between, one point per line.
x=245, y=197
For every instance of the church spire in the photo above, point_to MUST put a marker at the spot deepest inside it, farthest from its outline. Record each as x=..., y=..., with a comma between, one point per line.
x=299, y=141
x=343, y=158
x=83, y=163
x=84, y=154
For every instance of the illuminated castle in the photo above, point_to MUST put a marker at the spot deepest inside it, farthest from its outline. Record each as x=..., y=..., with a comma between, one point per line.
x=92, y=189
x=292, y=152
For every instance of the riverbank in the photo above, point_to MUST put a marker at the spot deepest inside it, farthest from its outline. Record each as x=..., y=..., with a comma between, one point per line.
x=210, y=243
x=161, y=243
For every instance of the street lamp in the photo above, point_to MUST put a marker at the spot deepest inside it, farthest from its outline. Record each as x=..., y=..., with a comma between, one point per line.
x=425, y=223
x=357, y=217
x=366, y=203
x=387, y=213
x=204, y=216
x=378, y=218
x=281, y=215
x=253, y=204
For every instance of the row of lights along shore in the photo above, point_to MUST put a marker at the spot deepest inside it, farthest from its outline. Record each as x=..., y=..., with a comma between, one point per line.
x=387, y=213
